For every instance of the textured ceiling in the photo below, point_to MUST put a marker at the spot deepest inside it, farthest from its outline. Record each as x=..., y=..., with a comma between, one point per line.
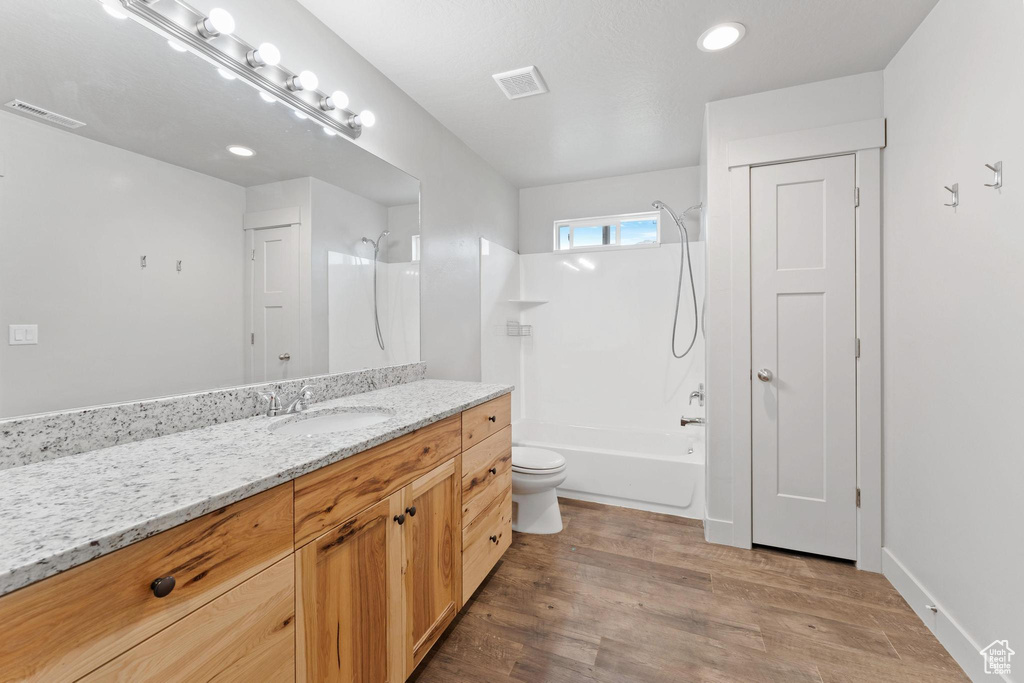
x=628, y=83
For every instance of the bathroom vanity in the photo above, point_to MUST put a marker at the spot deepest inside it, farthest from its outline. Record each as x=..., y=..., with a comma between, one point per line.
x=327, y=557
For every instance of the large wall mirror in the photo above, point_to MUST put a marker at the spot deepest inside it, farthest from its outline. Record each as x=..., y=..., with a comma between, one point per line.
x=140, y=256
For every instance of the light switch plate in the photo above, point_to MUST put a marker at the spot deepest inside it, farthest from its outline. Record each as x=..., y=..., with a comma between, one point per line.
x=24, y=334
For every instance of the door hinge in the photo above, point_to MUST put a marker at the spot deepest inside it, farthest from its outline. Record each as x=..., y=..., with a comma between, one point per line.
x=858, y=496
x=856, y=197
x=252, y=257
x=252, y=337
x=858, y=347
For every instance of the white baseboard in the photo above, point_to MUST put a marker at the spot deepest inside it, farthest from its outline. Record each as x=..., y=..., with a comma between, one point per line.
x=718, y=531
x=960, y=645
x=627, y=503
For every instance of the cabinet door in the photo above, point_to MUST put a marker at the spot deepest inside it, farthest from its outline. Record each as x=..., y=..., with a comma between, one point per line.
x=349, y=608
x=433, y=547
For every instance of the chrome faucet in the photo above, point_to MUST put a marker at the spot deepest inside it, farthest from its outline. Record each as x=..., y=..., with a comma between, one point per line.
x=683, y=421
x=699, y=395
x=296, y=405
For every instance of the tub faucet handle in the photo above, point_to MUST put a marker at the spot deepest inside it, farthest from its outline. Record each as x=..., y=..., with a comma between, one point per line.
x=699, y=395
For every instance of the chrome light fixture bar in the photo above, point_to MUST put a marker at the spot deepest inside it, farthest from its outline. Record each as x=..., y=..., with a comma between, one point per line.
x=179, y=22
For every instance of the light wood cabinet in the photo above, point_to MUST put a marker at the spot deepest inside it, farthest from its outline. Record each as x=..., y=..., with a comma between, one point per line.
x=349, y=611
x=433, y=558
x=350, y=573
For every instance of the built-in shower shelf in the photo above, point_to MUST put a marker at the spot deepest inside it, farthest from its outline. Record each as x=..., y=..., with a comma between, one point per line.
x=515, y=329
x=528, y=302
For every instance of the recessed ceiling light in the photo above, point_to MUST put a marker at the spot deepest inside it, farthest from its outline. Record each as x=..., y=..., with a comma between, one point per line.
x=721, y=36
x=240, y=150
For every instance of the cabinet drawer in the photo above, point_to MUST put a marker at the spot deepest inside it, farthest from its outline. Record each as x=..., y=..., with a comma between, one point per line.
x=331, y=495
x=66, y=626
x=247, y=634
x=485, y=541
x=487, y=418
x=486, y=473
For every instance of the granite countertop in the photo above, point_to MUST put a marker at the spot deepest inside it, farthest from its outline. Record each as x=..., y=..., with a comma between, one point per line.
x=60, y=513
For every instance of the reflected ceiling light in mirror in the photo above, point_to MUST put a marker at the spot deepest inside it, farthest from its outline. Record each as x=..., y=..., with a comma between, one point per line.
x=240, y=150
x=220, y=22
x=265, y=55
x=300, y=115
x=306, y=80
x=226, y=75
x=113, y=8
x=177, y=46
x=330, y=132
x=721, y=36
x=336, y=100
x=267, y=97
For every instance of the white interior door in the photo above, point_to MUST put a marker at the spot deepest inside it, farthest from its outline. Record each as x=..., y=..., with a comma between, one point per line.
x=803, y=345
x=274, y=278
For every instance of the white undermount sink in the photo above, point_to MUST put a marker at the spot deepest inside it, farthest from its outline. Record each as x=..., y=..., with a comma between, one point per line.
x=330, y=422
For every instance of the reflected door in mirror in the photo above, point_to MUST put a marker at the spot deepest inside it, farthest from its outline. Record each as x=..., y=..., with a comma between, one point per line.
x=274, y=293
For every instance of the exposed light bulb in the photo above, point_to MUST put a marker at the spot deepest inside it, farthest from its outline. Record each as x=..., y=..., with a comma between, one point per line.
x=177, y=46
x=241, y=151
x=308, y=80
x=367, y=118
x=220, y=22
x=266, y=54
x=114, y=10
x=336, y=100
x=330, y=132
x=225, y=74
x=267, y=97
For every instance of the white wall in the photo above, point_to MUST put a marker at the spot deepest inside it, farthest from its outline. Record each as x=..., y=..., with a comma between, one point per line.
x=403, y=222
x=600, y=350
x=463, y=198
x=540, y=207
x=954, y=318
x=75, y=216
x=500, y=355
x=815, y=105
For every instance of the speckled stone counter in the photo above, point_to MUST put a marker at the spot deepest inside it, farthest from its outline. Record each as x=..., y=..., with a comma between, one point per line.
x=60, y=513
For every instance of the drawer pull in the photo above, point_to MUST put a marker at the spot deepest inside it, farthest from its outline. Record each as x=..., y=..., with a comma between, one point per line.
x=493, y=418
x=163, y=586
x=400, y=519
x=494, y=539
x=411, y=511
x=493, y=470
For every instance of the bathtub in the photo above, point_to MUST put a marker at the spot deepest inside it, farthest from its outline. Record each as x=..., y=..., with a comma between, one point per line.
x=660, y=471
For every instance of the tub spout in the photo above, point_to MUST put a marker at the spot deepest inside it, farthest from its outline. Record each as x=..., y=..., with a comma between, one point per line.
x=684, y=421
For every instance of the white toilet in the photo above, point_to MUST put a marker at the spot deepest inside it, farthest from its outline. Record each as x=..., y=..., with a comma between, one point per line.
x=535, y=474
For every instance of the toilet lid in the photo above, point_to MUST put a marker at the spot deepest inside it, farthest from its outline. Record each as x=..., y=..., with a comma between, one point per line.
x=535, y=459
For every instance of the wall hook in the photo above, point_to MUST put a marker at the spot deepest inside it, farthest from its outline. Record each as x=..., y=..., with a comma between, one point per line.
x=998, y=171
x=142, y=261
x=955, y=191
x=179, y=266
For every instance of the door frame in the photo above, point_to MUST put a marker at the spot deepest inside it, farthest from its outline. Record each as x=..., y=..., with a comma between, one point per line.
x=864, y=139
x=290, y=217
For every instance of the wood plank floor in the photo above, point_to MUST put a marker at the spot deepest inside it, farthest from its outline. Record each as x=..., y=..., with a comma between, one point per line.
x=622, y=596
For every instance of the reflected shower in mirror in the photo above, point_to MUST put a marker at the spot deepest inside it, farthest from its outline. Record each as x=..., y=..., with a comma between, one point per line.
x=165, y=229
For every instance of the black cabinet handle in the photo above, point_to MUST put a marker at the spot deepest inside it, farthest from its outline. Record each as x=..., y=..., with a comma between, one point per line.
x=163, y=586
x=400, y=519
x=494, y=539
x=493, y=470
x=493, y=418
x=411, y=511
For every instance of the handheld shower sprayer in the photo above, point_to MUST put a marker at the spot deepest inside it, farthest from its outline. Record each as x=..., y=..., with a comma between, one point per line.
x=684, y=260
x=376, y=317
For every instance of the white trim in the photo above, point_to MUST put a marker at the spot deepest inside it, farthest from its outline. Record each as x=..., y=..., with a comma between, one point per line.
x=272, y=218
x=863, y=139
x=807, y=144
x=718, y=531
x=960, y=645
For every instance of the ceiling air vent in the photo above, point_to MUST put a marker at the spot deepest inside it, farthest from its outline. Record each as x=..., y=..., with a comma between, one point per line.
x=521, y=83
x=39, y=112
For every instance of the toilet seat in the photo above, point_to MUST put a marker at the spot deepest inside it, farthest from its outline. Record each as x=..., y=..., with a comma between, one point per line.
x=530, y=460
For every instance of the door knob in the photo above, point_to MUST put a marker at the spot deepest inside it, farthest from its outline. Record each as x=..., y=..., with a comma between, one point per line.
x=285, y=356
x=764, y=374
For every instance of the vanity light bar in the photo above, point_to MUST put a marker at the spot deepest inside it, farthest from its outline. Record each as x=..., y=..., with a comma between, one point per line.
x=179, y=22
